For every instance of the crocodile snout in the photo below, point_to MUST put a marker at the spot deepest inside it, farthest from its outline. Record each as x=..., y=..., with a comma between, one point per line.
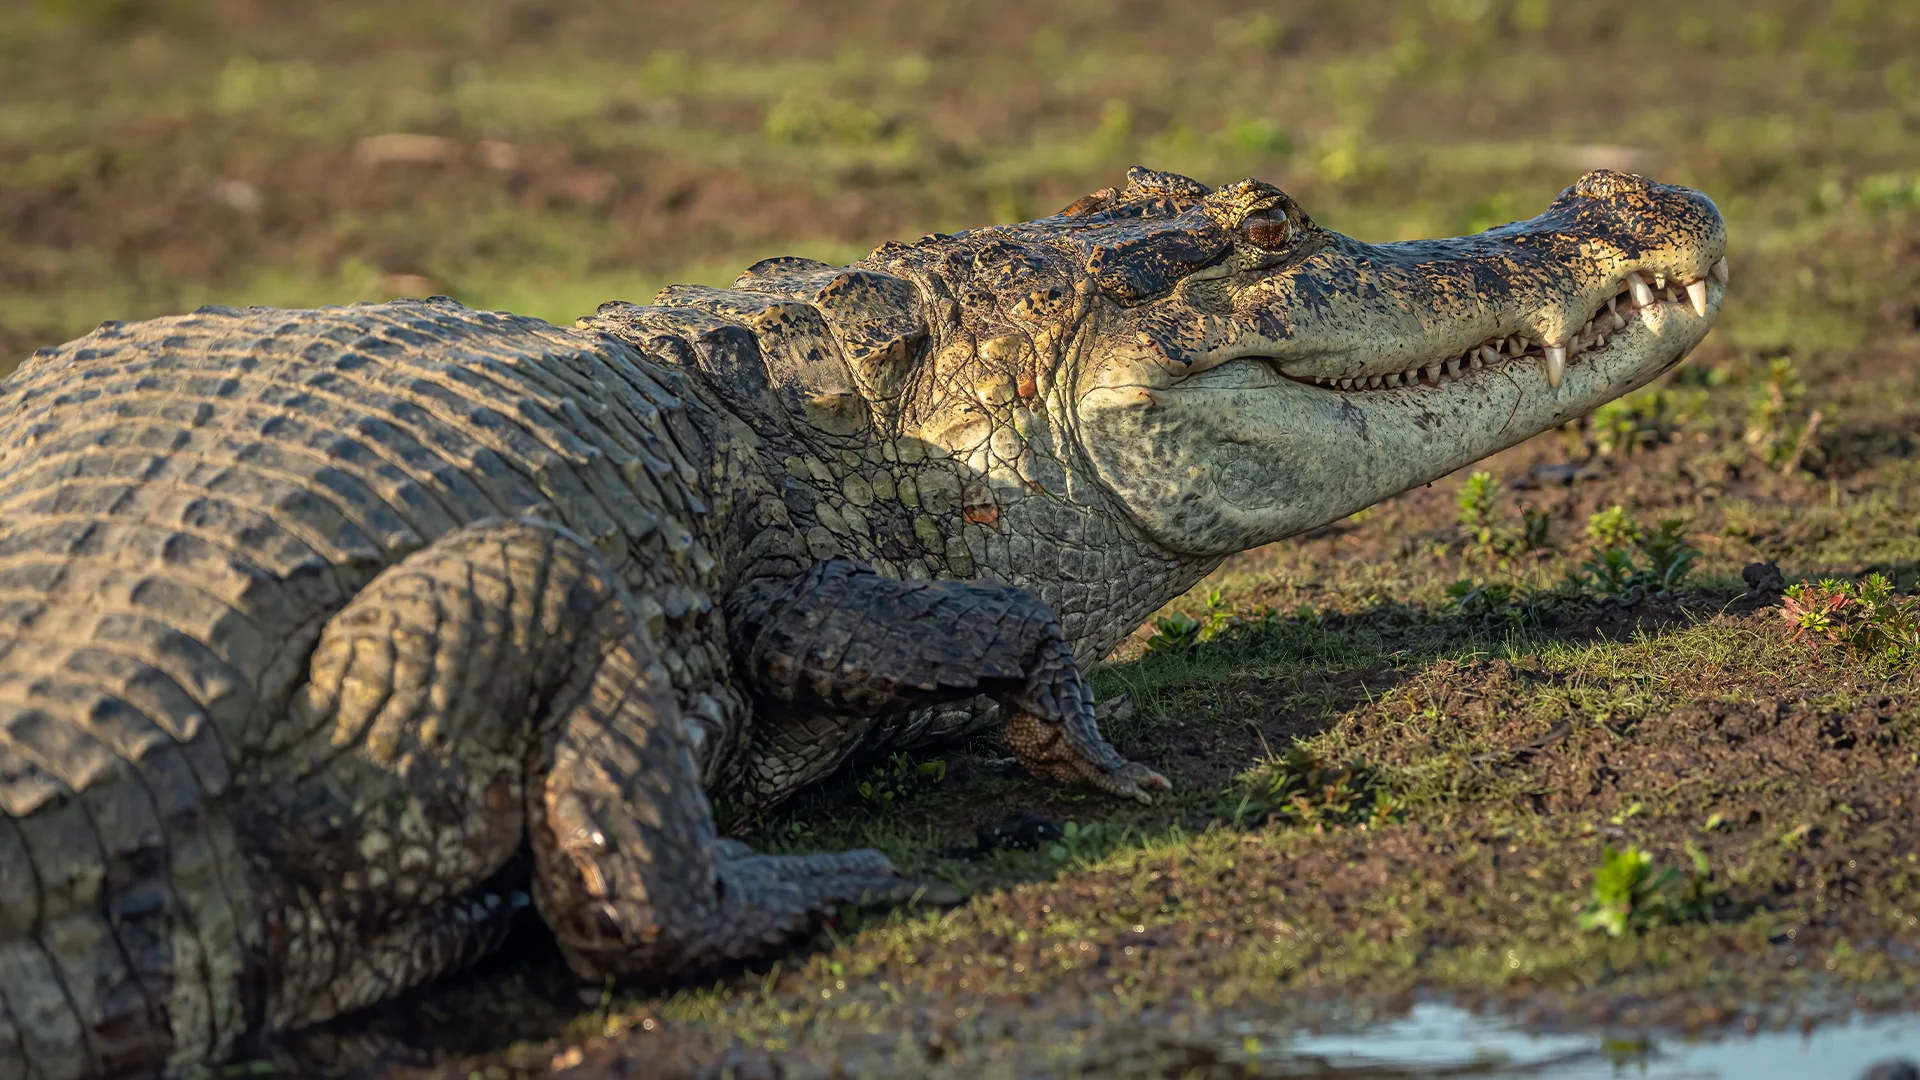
x=1254, y=405
x=1544, y=291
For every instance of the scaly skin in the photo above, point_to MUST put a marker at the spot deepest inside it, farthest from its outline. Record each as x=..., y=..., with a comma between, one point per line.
x=328, y=639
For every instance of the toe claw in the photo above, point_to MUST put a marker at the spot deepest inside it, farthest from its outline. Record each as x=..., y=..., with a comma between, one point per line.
x=934, y=894
x=902, y=892
x=1137, y=780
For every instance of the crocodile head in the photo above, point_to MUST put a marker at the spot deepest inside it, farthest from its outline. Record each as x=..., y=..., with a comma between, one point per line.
x=1233, y=373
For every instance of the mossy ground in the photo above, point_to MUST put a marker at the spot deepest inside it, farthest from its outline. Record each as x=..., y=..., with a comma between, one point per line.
x=156, y=156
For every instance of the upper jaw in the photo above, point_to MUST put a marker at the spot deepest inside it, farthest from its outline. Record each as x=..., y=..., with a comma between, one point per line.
x=1637, y=296
x=1610, y=248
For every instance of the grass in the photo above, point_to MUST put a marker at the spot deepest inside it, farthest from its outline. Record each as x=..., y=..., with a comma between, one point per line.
x=1404, y=745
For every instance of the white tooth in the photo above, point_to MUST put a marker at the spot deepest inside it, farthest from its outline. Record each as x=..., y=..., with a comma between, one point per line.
x=1697, y=292
x=1611, y=301
x=1346, y=384
x=1489, y=354
x=1375, y=382
x=1667, y=294
x=1474, y=363
x=1577, y=346
x=1556, y=364
x=1517, y=345
x=1433, y=374
x=1393, y=379
x=1720, y=270
x=1617, y=322
x=1642, y=295
x=1453, y=367
x=1659, y=280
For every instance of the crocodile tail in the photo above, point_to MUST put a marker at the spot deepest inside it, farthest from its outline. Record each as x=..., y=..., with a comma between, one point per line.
x=121, y=929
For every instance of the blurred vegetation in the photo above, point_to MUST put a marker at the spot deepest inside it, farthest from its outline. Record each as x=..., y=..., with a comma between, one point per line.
x=156, y=154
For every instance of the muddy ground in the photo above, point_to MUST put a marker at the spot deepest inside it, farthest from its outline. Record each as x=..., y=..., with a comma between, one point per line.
x=1462, y=758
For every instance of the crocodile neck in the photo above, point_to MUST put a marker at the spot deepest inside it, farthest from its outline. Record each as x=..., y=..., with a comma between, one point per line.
x=1001, y=493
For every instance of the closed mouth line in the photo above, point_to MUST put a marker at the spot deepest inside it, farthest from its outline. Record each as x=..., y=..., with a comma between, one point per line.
x=1635, y=294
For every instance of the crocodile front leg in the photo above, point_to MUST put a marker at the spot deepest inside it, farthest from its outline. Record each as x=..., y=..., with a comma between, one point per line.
x=495, y=689
x=843, y=641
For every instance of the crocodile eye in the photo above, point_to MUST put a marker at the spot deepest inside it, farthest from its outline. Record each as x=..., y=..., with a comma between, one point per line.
x=1268, y=230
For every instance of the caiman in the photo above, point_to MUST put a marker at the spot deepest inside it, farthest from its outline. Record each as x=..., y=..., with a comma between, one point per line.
x=328, y=638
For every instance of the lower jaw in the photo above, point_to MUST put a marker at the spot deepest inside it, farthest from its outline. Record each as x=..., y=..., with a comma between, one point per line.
x=1357, y=449
x=1529, y=402
x=1210, y=470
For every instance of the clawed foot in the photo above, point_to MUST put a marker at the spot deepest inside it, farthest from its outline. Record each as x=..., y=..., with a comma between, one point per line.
x=765, y=904
x=773, y=898
x=1051, y=751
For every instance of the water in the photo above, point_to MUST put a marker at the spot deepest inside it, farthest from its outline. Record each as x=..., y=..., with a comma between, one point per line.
x=1435, y=1040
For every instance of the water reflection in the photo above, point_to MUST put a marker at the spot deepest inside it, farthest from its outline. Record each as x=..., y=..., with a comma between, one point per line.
x=1434, y=1040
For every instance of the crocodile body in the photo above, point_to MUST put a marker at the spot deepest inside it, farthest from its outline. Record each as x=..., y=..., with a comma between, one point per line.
x=327, y=638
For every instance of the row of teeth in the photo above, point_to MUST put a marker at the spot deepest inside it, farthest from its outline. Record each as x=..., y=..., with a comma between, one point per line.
x=1641, y=289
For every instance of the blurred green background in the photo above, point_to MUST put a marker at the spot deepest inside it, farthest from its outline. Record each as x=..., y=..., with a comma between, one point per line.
x=546, y=157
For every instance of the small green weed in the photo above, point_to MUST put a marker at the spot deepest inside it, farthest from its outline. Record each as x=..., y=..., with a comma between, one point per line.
x=1670, y=557
x=1299, y=788
x=805, y=121
x=1629, y=893
x=1610, y=571
x=1612, y=528
x=1776, y=431
x=1887, y=191
x=1632, y=423
x=1180, y=631
x=1625, y=891
x=1486, y=601
x=1869, y=619
x=899, y=778
x=1085, y=841
x=1479, y=503
x=1693, y=898
x=1535, y=526
x=1611, y=568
